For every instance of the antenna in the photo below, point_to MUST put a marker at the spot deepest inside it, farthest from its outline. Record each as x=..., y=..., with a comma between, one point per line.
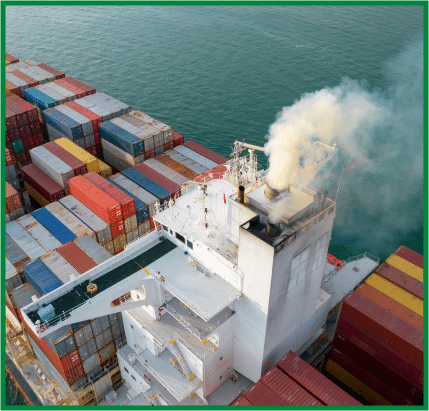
x=341, y=176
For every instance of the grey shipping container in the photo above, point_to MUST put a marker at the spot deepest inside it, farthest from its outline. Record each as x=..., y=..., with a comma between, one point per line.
x=114, y=318
x=59, y=341
x=109, y=247
x=144, y=228
x=13, y=278
x=22, y=296
x=93, y=221
x=96, y=327
x=107, y=352
x=116, y=331
x=91, y=363
x=130, y=223
x=186, y=161
x=92, y=249
x=60, y=267
x=19, y=212
x=104, y=322
x=87, y=349
x=198, y=158
x=133, y=235
x=24, y=240
x=17, y=257
x=83, y=335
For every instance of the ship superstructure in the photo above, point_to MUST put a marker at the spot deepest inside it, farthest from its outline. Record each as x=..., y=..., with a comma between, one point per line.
x=218, y=293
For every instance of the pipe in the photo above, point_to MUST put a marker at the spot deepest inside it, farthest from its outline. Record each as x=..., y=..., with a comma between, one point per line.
x=270, y=193
x=240, y=195
x=272, y=229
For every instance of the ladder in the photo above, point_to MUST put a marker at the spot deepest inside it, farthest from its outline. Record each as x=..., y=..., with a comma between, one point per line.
x=181, y=361
x=155, y=400
x=183, y=321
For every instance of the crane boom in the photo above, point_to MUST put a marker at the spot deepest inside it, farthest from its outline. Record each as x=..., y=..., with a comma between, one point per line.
x=246, y=145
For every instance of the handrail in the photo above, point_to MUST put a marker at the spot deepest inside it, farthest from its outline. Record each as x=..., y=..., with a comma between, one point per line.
x=188, y=346
x=366, y=254
x=182, y=320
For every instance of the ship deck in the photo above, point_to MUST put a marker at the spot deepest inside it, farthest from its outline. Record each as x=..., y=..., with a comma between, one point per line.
x=79, y=295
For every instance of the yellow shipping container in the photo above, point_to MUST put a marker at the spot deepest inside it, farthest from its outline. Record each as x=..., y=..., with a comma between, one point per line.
x=36, y=195
x=396, y=293
x=105, y=169
x=355, y=384
x=406, y=267
x=7, y=62
x=81, y=154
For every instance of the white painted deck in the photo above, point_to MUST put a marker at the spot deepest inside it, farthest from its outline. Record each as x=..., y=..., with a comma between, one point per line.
x=190, y=285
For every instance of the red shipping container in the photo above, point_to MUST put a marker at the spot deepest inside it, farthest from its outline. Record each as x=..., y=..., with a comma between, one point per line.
x=177, y=167
x=23, y=158
x=13, y=200
x=385, y=327
x=242, y=401
x=76, y=257
x=369, y=378
x=410, y=255
x=13, y=88
x=97, y=200
x=286, y=388
x=158, y=178
x=260, y=394
x=127, y=203
x=29, y=80
x=28, y=143
x=12, y=59
x=92, y=150
x=87, y=89
x=58, y=74
x=78, y=166
x=42, y=183
x=217, y=174
x=95, y=118
x=205, y=152
x=168, y=146
x=392, y=306
x=9, y=161
x=75, y=374
x=149, y=154
x=406, y=282
x=120, y=251
x=383, y=354
x=38, y=139
x=70, y=87
x=178, y=139
x=314, y=382
x=70, y=360
x=117, y=229
x=395, y=379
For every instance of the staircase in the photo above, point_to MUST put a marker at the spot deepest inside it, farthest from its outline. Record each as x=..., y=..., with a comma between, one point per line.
x=182, y=321
x=181, y=363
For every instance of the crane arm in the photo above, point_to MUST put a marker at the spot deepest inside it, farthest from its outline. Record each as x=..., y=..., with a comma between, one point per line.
x=246, y=145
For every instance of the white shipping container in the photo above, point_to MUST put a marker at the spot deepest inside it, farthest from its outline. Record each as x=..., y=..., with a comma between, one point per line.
x=104, y=114
x=79, y=118
x=89, y=140
x=166, y=171
x=67, y=94
x=16, y=80
x=136, y=191
x=132, y=235
x=38, y=232
x=118, y=153
x=45, y=74
x=72, y=222
x=52, y=93
x=92, y=249
x=144, y=228
x=10, y=269
x=130, y=223
x=31, y=62
x=158, y=139
x=167, y=130
x=113, y=111
x=60, y=267
x=112, y=100
x=24, y=240
x=114, y=161
x=92, y=220
x=135, y=131
x=34, y=75
x=51, y=165
x=198, y=158
x=54, y=133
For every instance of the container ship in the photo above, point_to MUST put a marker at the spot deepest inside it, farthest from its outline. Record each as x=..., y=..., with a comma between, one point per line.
x=145, y=270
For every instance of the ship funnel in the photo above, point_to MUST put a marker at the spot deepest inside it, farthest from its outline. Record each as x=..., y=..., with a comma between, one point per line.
x=240, y=195
x=271, y=194
x=272, y=229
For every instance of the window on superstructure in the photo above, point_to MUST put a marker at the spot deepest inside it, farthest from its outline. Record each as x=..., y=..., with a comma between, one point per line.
x=190, y=245
x=321, y=250
x=134, y=378
x=180, y=238
x=299, y=268
x=126, y=370
x=165, y=228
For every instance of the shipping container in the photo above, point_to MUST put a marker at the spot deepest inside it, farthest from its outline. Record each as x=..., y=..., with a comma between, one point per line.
x=11, y=59
x=97, y=200
x=75, y=374
x=78, y=167
x=397, y=293
x=260, y=394
x=177, y=167
x=119, y=243
x=287, y=389
x=41, y=277
x=392, y=377
x=60, y=267
x=185, y=161
x=314, y=382
x=385, y=327
x=123, y=156
x=109, y=247
x=90, y=161
x=87, y=349
x=13, y=201
x=391, y=305
x=76, y=257
x=242, y=401
x=88, y=217
x=61, y=342
x=117, y=229
x=126, y=202
x=134, y=190
x=198, y=158
x=17, y=257
x=355, y=384
x=158, y=178
x=130, y=224
x=94, y=250
x=178, y=139
x=105, y=169
x=410, y=255
x=83, y=335
x=73, y=223
x=35, y=195
x=16, y=213
x=401, y=279
x=121, y=138
x=406, y=267
x=371, y=379
x=104, y=338
x=48, y=241
x=114, y=161
x=107, y=353
x=23, y=295
x=77, y=326
x=43, y=184
x=55, y=226
x=13, y=278
x=383, y=353
x=132, y=235
x=213, y=174
x=88, y=90
x=144, y=228
x=24, y=240
x=58, y=74
x=155, y=189
x=91, y=363
x=70, y=361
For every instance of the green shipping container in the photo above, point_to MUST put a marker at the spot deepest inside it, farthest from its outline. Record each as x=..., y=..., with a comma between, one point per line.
x=17, y=146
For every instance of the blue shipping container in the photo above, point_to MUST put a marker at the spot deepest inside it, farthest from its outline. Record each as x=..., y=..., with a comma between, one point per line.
x=121, y=138
x=77, y=326
x=53, y=225
x=63, y=123
x=40, y=99
x=147, y=184
x=142, y=209
x=41, y=277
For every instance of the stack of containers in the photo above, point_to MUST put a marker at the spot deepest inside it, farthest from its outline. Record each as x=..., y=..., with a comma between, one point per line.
x=178, y=139
x=14, y=207
x=125, y=230
x=10, y=171
x=13, y=278
x=177, y=167
x=88, y=159
x=25, y=74
x=130, y=139
x=213, y=174
x=378, y=347
x=205, y=152
x=79, y=120
x=41, y=188
x=18, y=259
x=10, y=59
x=76, y=257
x=92, y=220
x=23, y=131
x=191, y=159
x=294, y=382
x=79, y=167
x=92, y=249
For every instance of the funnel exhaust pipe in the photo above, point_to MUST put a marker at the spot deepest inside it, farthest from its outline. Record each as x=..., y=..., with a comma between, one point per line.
x=240, y=195
x=272, y=229
x=271, y=194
